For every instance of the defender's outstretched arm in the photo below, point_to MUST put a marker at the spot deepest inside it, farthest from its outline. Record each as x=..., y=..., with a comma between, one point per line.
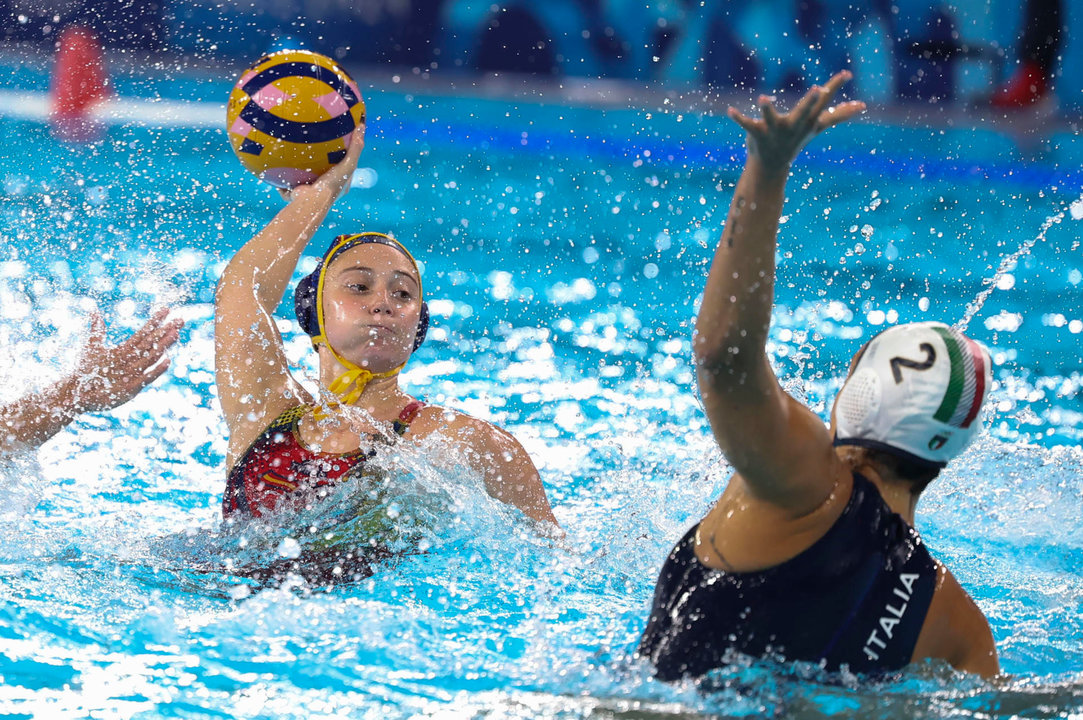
x=105, y=377
x=776, y=445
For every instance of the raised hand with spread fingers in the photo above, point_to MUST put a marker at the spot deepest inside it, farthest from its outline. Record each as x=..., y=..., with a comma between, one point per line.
x=775, y=138
x=105, y=377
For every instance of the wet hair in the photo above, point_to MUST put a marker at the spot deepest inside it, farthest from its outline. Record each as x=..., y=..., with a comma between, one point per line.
x=915, y=472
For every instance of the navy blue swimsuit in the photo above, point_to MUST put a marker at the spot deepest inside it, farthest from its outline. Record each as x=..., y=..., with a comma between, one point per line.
x=857, y=597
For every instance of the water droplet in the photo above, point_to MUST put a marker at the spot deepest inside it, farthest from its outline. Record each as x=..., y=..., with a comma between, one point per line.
x=289, y=548
x=1077, y=209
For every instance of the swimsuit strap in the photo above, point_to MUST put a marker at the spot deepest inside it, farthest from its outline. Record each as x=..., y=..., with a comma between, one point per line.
x=407, y=416
x=400, y=424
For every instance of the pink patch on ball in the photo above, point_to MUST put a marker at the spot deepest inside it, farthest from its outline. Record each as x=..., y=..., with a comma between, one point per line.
x=287, y=177
x=356, y=90
x=240, y=127
x=246, y=77
x=269, y=97
x=333, y=103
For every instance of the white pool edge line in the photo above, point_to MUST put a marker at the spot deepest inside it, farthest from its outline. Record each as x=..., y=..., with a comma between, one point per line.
x=157, y=113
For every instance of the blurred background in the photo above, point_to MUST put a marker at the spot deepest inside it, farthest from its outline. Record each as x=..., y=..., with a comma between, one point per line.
x=1012, y=54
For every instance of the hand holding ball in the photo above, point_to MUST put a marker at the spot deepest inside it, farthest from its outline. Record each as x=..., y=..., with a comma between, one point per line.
x=292, y=115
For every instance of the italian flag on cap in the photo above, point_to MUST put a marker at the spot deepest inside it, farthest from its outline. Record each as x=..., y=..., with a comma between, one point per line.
x=966, y=386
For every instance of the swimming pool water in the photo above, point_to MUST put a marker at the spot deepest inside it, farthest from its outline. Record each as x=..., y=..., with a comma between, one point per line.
x=564, y=249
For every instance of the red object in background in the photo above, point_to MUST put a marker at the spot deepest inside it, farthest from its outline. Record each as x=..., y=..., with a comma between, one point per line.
x=79, y=83
x=1025, y=87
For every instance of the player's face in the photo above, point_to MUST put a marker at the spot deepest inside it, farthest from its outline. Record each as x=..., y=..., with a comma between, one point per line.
x=371, y=306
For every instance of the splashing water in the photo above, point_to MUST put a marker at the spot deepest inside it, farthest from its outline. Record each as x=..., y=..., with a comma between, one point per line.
x=1075, y=208
x=558, y=315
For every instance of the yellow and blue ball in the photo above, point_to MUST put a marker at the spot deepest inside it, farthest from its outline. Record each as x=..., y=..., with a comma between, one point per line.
x=291, y=116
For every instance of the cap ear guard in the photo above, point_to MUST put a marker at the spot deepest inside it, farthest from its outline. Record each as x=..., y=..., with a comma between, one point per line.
x=304, y=303
x=422, y=325
x=858, y=403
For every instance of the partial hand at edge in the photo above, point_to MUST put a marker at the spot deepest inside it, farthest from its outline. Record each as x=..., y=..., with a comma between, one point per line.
x=109, y=376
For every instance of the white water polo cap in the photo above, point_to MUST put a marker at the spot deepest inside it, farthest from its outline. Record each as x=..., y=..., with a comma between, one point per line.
x=916, y=391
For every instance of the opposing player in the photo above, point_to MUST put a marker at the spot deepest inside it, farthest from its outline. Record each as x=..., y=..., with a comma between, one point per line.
x=811, y=552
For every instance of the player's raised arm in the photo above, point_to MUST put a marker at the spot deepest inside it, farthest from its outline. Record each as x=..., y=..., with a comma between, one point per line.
x=106, y=376
x=772, y=441
x=251, y=371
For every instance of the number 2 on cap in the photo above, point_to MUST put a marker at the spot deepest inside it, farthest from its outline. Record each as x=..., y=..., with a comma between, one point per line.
x=900, y=362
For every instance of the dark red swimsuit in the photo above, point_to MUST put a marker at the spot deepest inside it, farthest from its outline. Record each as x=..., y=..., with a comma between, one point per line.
x=277, y=468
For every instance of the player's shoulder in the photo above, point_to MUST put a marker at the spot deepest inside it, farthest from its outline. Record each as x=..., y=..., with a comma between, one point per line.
x=956, y=629
x=432, y=418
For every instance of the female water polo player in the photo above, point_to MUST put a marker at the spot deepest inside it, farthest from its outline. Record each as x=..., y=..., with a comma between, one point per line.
x=810, y=554
x=106, y=376
x=364, y=309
